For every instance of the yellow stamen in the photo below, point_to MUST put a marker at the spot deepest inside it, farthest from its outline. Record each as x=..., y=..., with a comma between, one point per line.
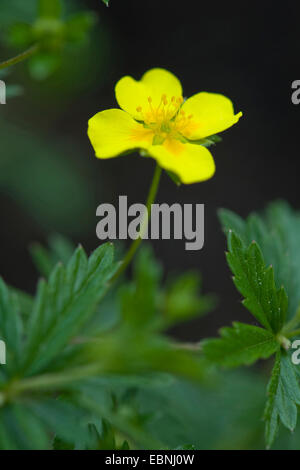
x=167, y=114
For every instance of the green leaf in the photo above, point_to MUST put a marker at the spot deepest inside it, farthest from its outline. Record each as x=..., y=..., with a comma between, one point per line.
x=41, y=258
x=242, y=344
x=7, y=438
x=164, y=306
x=28, y=429
x=256, y=283
x=277, y=232
x=234, y=223
x=186, y=447
x=125, y=446
x=224, y=415
x=93, y=437
x=283, y=396
x=42, y=179
x=79, y=25
x=106, y=2
x=60, y=444
x=106, y=437
x=59, y=355
x=132, y=351
x=22, y=429
x=271, y=414
x=64, y=419
x=20, y=35
x=64, y=303
x=60, y=250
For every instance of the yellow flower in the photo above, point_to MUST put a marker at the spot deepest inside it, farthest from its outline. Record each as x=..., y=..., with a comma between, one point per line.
x=157, y=119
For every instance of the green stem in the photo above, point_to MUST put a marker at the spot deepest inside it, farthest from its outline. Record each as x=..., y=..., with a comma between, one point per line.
x=20, y=57
x=51, y=381
x=134, y=246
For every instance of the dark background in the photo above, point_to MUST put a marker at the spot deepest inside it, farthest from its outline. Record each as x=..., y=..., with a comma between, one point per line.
x=249, y=51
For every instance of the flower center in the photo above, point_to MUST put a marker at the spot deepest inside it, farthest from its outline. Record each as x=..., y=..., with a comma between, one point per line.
x=166, y=120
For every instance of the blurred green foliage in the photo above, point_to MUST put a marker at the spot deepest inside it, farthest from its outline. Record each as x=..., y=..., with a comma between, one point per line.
x=48, y=184
x=51, y=31
x=39, y=182
x=91, y=364
x=263, y=254
x=52, y=349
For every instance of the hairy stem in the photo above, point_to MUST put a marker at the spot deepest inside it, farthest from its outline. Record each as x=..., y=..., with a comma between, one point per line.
x=136, y=243
x=20, y=57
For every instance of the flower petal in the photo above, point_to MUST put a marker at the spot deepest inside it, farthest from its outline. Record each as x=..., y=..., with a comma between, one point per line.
x=161, y=81
x=113, y=131
x=210, y=113
x=131, y=94
x=191, y=163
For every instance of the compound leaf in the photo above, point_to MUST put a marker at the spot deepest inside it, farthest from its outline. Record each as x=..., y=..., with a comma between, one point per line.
x=256, y=283
x=277, y=232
